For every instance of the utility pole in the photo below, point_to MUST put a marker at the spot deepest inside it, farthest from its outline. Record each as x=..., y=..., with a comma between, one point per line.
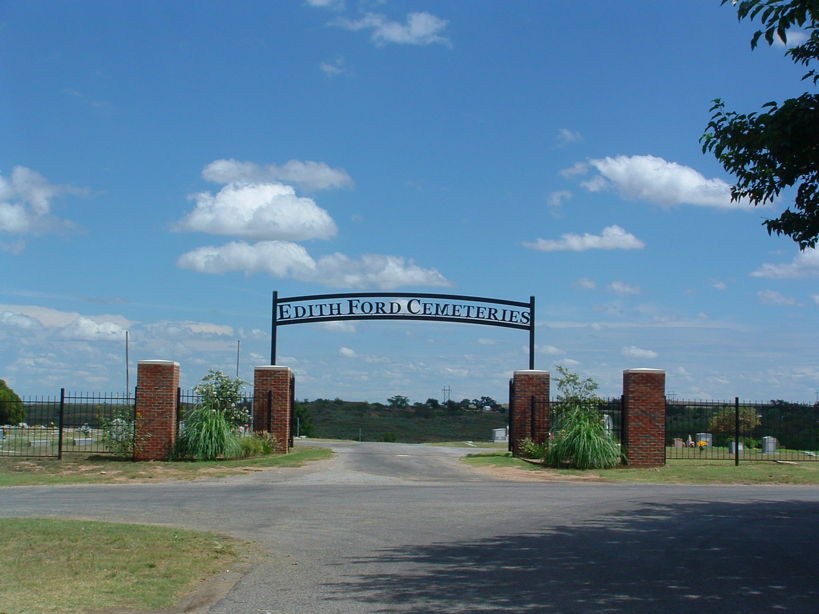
x=447, y=393
x=238, y=345
x=127, y=374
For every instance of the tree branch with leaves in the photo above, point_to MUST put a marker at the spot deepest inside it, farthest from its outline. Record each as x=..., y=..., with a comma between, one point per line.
x=777, y=148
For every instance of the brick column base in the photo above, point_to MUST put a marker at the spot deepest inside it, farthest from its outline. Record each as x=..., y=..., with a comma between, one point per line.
x=528, y=408
x=155, y=424
x=273, y=403
x=644, y=417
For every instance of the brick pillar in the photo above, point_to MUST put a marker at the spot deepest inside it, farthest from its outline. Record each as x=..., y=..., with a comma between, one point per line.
x=644, y=417
x=274, y=383
x=529, y=408
x=155, y=425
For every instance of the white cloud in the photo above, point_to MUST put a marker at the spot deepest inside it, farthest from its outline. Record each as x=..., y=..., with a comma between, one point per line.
x=815, y=298
x=576, y=169
x=632, y=351
x=555, y=199
x=373, y=270
x=621, y=288
x=347, y=352
x=338, y=327
x=85, y=329
x=613, y=237
x=419, y=29
x=52, y=318
x=17, y=320
x=25, y=205
x=335, y=68
x=566, y=136
x=585, y=283
x=265, y=211
x=330, y=4
x=288, y=260
x=719, y=285
x=308, y=175
x=279, y=259
x=772, y=297
x=805, y=264
x=550, y=350
x=658, y=181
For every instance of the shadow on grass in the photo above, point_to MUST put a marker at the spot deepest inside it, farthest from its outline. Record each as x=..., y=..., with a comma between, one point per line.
x=698, y=557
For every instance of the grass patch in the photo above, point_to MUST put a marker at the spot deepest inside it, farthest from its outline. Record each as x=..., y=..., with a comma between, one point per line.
x=674, y=472
x=15, y=471
x=73, y=566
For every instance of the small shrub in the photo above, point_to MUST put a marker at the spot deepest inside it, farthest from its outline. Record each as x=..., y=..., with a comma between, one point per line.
x=531, y=449
x=118, y=432
x=258, y=444
x=223, y=393
x=390, y=437
x=12, y=409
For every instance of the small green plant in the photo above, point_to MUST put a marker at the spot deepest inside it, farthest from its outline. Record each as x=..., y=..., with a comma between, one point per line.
x=390, y=437
x=531, y=449
x=118, y=432
x=258, y=444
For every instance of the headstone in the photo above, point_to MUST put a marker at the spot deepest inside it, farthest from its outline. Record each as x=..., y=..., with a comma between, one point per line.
x=678, y=442
x=706, y=437
x=769, y=445
x=500, y=435
x=732, y=447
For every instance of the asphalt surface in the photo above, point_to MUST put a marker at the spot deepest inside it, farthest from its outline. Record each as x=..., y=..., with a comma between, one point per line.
x=404, y=528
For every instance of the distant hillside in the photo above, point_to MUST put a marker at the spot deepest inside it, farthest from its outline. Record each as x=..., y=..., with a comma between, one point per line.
x=337, y=419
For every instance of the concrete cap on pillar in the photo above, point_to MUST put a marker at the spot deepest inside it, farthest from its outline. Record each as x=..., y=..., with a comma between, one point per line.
x=158, y=362
x=525, y=371
x=644, y=370
x=272, y=367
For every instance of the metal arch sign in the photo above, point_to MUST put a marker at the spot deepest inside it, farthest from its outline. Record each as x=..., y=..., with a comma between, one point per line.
x=404, y=306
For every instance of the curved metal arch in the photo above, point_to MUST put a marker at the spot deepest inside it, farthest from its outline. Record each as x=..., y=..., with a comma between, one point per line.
x=307, y=315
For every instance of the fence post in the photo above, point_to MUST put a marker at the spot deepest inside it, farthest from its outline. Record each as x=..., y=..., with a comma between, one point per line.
x=736, y=431
x=60, y=425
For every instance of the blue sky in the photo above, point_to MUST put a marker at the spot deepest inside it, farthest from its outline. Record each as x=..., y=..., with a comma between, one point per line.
x=164, y=166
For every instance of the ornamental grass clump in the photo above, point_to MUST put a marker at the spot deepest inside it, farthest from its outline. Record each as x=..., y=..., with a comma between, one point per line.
x=208, y=435
x=211, y=429
x=582, y=440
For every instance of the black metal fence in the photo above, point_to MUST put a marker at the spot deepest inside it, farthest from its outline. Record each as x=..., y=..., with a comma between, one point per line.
x=73, y=423
x=742, y=431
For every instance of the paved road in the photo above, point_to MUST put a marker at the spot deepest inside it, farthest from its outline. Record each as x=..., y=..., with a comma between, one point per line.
x=402, y=528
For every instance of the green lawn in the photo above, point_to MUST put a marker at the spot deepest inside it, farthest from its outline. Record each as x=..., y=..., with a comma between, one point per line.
x=80, y=469
x=686, y=471
x=63, y=566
